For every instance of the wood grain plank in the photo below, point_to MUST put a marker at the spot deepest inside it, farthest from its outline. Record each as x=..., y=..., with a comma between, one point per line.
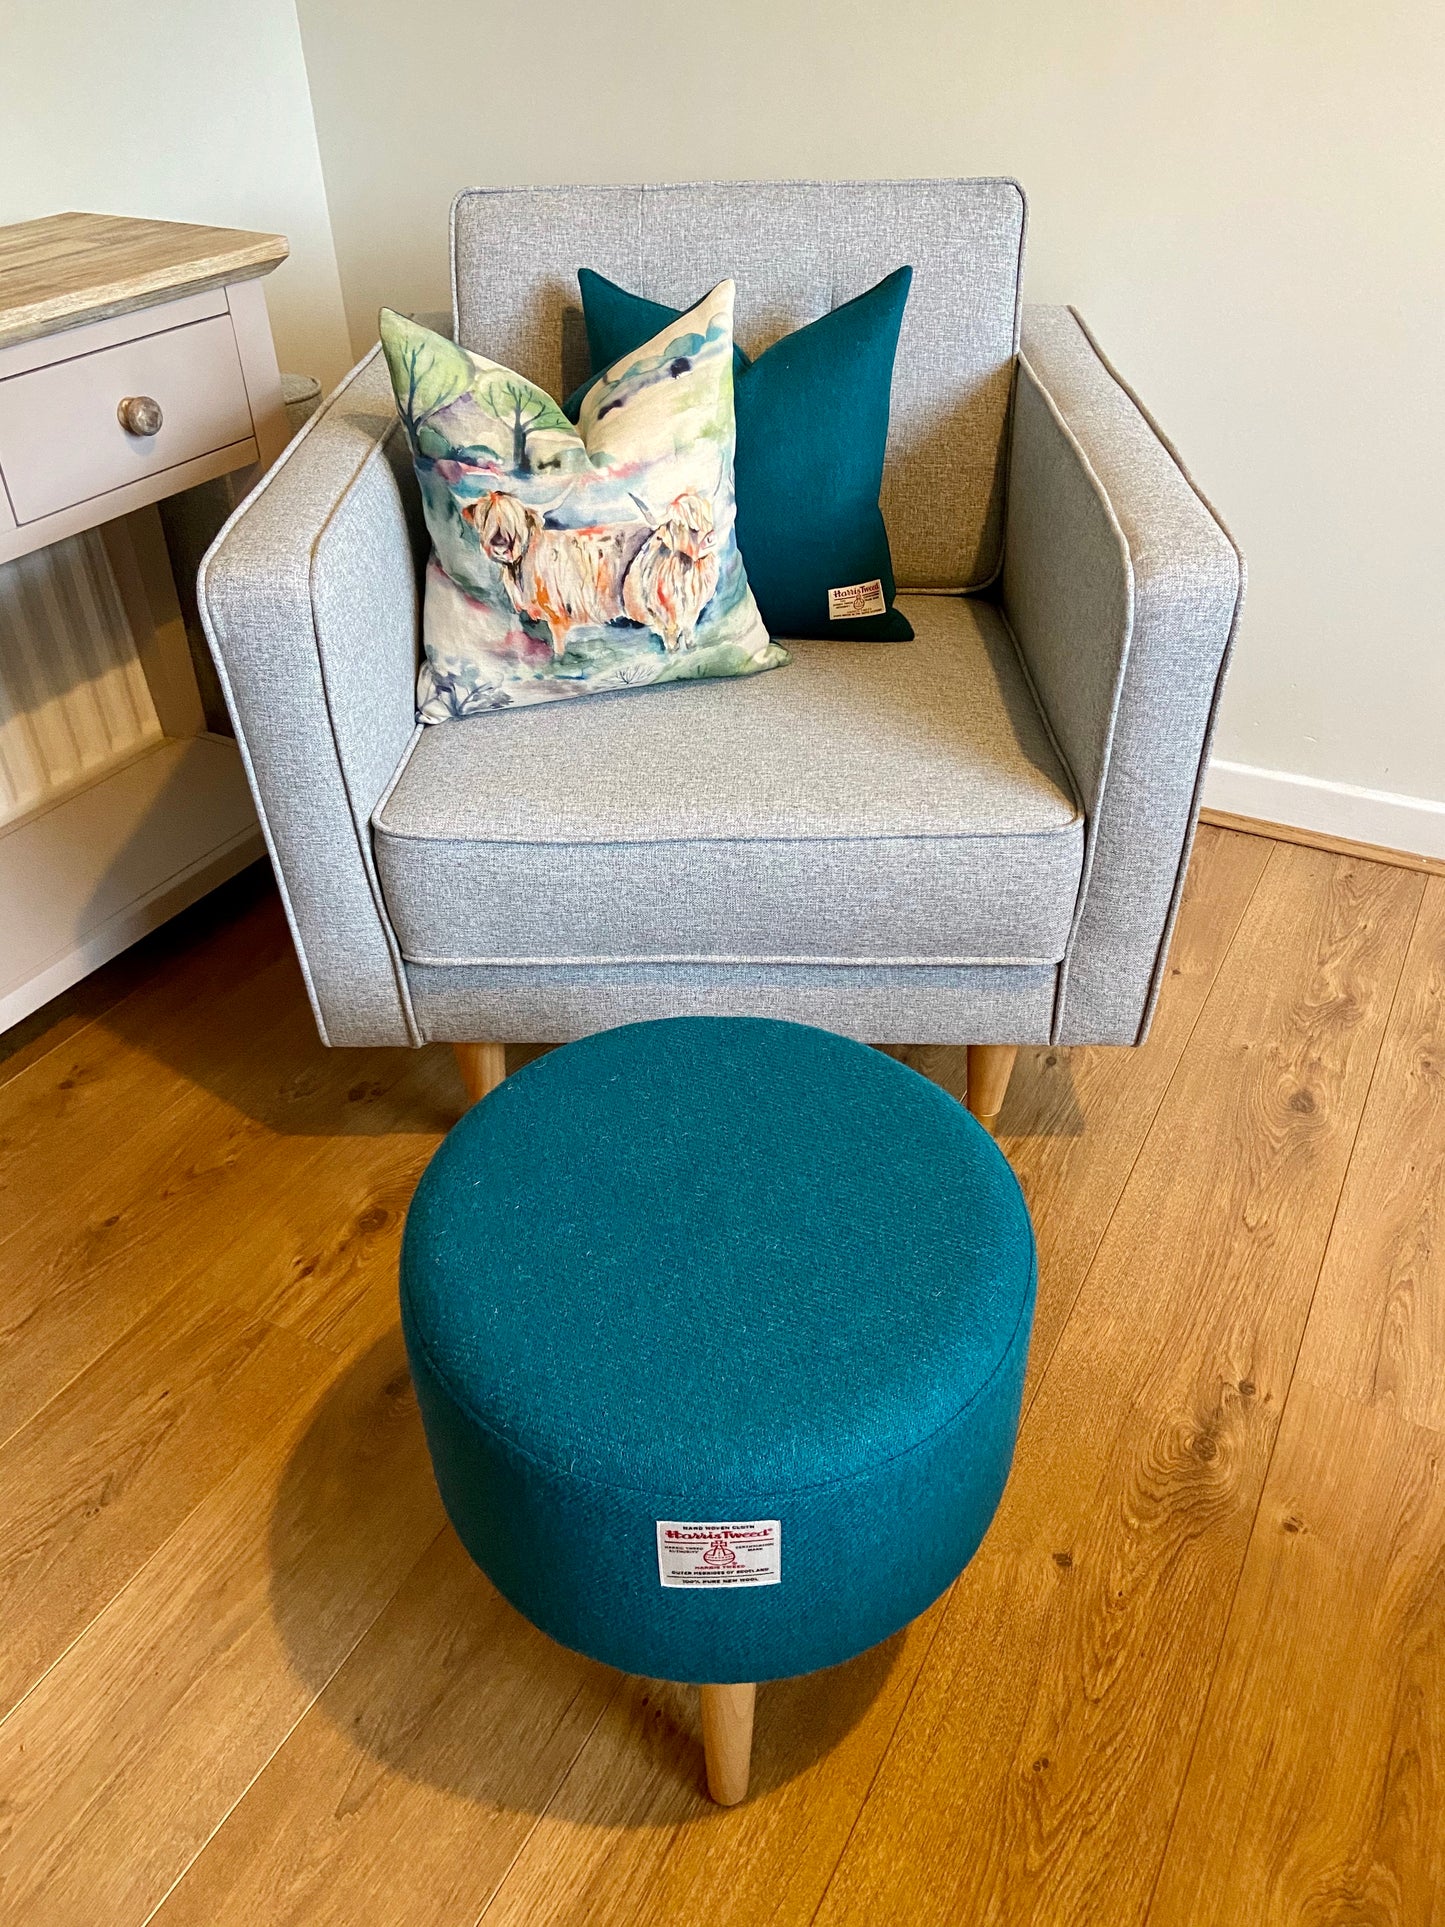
x=632, y=1837
x=177, y=1755
x=1320, y=1767
x=1317, y=1791
x=120, y=1458
x=405, y=1793
x=314, y=1236
x=155, y=1128
x=225, y=1032
x=65, y=269
x=154, y=958
x=1035, y=1772
x=1075, y=1120
x=119, y=1766
x=1377, y=1328
x=104, y=1094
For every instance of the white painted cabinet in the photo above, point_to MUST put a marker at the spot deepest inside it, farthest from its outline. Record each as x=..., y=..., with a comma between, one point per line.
x=135, y=361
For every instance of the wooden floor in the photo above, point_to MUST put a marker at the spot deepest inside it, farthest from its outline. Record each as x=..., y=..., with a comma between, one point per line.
x=1195, y=1676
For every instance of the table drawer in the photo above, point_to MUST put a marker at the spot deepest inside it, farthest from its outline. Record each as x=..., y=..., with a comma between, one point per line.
x=62, y=442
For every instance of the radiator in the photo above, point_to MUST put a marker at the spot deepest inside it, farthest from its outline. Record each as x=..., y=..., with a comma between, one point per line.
x=73, y=699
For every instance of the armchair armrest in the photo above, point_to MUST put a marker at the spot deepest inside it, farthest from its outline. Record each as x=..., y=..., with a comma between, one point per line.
x=1123, y=589
x=310, y=598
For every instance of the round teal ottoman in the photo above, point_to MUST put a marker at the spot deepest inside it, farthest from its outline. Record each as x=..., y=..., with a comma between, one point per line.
x=718, y=1329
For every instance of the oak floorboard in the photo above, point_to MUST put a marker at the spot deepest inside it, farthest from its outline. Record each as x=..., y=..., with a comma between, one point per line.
x=631, y=1836
x=105, y=1088
x=1377, y=1327
x=112, y=1467
x=311, y=1234
x=1317, y=1790
x=158, y=959
x=1318, y=1781
x=306, y=1157
x=407, y=1790
x=218, y=1053
x=125, y=1758
x=1074, y=1120
x=1035, y=1772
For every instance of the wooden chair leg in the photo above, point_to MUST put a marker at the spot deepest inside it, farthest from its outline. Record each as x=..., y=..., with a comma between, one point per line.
x=483, y=1066
x=727, y=1741
x=989, y=1068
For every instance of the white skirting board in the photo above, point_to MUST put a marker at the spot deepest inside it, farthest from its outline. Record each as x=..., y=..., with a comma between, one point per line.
x=1412, y=823
x=101, y=867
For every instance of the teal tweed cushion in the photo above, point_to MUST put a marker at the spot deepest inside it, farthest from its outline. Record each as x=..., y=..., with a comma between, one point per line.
x=812, y=426
x=718, y=1327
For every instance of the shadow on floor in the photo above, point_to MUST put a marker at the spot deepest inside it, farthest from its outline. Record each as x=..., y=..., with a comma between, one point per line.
x=448, y=1684
x=217, y=997
x=1041, y=1100
x=104, y=988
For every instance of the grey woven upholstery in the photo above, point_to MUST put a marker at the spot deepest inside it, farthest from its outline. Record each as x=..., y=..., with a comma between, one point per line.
x=1123, y=589
x=310, y=597
x=795, y=249
x=870, y=805
x=977, y=837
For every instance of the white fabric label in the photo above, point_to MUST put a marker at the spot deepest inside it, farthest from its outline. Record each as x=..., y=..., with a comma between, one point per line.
x=860, y=599
x=735, y=1552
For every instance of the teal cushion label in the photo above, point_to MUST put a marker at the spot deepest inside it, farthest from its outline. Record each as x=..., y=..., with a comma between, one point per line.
x=858, y=599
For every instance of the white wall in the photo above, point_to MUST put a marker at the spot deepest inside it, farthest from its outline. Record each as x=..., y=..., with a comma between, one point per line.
x=1245, y=199
x=184, y=110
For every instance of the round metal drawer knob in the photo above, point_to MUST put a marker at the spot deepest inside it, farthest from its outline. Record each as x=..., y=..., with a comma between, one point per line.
x=140, y=415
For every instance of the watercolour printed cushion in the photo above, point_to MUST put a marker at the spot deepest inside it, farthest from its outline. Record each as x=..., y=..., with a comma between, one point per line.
x=568, y=561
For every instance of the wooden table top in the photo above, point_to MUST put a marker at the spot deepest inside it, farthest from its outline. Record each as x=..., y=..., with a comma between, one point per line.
x=70, y=268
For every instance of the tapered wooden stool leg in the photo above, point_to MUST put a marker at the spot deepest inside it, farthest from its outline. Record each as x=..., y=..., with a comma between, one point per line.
x=483, y=1066
x=727, y=1741
x=989, y=1068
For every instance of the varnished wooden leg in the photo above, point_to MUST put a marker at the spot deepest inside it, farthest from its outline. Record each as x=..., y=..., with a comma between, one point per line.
x=989, y=1068
x=483, y=1066
x=727, y=1741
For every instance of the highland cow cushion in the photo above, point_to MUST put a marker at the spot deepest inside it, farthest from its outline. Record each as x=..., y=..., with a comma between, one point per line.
x=573, y=560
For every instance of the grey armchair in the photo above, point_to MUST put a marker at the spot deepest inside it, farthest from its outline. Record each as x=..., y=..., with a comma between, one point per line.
x=977, y=837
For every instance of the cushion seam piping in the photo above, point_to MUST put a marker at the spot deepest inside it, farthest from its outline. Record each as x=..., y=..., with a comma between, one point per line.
x=729, y=960
x=653, y=842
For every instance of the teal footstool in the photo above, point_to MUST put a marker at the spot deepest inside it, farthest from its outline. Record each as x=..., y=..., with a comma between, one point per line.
x=718, y=1328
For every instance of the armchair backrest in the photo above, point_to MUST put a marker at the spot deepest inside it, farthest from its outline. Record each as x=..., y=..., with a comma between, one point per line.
x=795, y=249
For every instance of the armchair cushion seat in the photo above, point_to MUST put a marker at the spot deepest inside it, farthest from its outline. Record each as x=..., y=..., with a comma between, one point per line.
x=893, y=803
